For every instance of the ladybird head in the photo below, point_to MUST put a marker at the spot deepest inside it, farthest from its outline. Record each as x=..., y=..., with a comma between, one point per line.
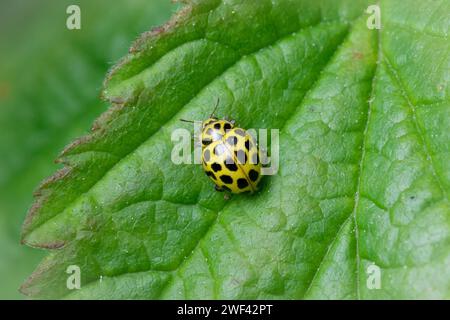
x=214, y=129
x=209, y=121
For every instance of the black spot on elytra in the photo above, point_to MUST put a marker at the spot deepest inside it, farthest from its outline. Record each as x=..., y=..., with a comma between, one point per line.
x=240, y=132
x=241, y=156
x=217, y=126
x=253, y=175
x=248, y=145
x=231, y=165
x=226, y=179
x=216, y=167
x=210, y=174
x=232, y=141
x=227, y=126
x=206, y=142
x=242, y=183
x=206, y=156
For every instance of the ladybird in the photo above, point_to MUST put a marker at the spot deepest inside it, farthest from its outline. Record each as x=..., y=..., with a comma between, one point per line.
x=230, y=156
x=233, y=162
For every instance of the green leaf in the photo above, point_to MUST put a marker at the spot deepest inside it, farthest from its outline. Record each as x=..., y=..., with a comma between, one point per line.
x=364, y=173
x=49, y=80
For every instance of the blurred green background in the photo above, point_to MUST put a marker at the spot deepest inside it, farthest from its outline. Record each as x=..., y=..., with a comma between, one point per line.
x=50, y=80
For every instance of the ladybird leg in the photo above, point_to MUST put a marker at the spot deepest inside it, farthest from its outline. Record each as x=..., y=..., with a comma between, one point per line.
x=226, y=196
x=219, y=189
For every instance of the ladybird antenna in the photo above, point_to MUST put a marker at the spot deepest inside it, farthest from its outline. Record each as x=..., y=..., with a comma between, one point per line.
x=215, y=108
x=190, y=121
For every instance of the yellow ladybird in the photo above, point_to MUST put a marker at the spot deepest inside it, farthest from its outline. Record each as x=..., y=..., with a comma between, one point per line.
x=230, y=157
